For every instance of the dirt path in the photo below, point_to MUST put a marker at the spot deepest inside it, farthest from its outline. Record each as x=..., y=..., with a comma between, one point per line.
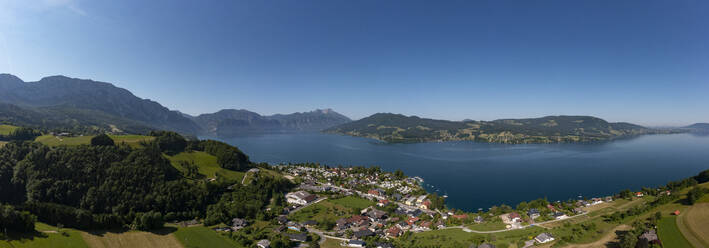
x=603, y=242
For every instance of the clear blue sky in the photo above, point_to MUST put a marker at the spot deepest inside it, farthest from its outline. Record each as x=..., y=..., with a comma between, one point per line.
x=645, y=62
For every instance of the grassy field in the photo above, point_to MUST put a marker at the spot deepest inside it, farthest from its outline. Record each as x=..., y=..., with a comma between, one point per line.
x=207, y=165
x=352, y=202
x=51, y=140
x=7, y=129
x=159, y=239
x=47, y=236
x=131, y=140
x=321, y=212
x=488, y=226
x=694, y=224
x=200, y=236
x=331, y=243
x=669, y=234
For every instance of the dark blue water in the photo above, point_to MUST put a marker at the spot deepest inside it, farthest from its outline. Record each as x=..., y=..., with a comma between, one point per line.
x=479, y=175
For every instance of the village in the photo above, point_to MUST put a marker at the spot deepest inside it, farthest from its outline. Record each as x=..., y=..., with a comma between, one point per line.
x=369, y=208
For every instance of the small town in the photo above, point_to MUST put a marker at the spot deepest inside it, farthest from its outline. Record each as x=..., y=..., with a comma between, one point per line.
x=365, y=207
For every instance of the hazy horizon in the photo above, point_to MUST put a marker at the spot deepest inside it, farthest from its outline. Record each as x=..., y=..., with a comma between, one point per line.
x=643, y=63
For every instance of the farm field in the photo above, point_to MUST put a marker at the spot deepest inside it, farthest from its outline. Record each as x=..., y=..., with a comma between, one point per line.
x=131, y=140
x=694, y=224
x=7, y=129
x=51, y=140
x=670, y=235
x=47, y=236
x=200, y=236
x=206, y=163
x=131, y=239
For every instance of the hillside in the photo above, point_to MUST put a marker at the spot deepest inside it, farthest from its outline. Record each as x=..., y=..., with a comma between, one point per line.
x=65, y=101
x=550, y=129
x=231, y=122
x=699, y=127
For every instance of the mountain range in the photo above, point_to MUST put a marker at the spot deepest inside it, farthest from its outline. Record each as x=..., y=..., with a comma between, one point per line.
x=231, y=122
x=550, y=129
x=80, y=105
x=86, y=105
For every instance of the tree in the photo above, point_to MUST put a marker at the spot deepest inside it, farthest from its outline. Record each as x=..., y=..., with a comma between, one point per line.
x=102, y=140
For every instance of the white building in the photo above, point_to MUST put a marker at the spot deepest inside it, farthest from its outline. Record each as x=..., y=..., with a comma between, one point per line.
x=300, y=197
x=544, y=237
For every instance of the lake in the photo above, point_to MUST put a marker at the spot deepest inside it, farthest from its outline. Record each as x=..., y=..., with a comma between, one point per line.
x=480, y=175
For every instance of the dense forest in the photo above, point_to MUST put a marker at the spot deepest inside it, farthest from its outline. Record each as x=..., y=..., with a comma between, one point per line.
x=104, y=185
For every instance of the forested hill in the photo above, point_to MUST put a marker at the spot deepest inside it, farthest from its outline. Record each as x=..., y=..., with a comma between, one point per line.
x=75, y=102
x=105, y=184
x=231, y=122
x=550, y=129
x=699, y=126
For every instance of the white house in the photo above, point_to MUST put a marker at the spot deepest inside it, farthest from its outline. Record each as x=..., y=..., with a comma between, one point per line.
x=300, y=197
x=544, y=237
x=264, y=243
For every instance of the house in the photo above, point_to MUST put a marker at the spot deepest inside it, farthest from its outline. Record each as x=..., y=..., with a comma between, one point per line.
x=377, y=214
x=676, y=212
x=363, y=233
x=410, y=201
x=238, y=223
x=383, y=203
x=559, y=215
x=426, y=225
x=279, y=229
x=479, y=219
x=609, y=199
x=342, y=223
x=393, y=232
x=514, y=217
x=253, y=170
x=310, y=223
x=300, y=198
x=412, y=220
x=544, y=238
x=264, y=243
x=425, y=205
x=647, y=239
x=355, y=243
x=486, y=245
x=297, y=237
x=222, y=229
x=420, y=199
x=552, y=208
x=533, y=213
x=596, y=201
x=396, y=196
x=578, y=211
x=282, y=219
x=639, y=194
x=375, y=192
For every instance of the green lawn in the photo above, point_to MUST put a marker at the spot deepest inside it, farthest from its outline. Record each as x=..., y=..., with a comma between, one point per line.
x=131, y=140
x=207, y=164
x=352, y=202
x=669, y=234
x=200, y=236
x=488, y=226
x=321, y=212
x=70, y=239
x=7, y=129
x=51, y=140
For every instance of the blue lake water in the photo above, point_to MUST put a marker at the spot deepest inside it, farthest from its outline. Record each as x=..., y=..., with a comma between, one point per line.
x=479, y=175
